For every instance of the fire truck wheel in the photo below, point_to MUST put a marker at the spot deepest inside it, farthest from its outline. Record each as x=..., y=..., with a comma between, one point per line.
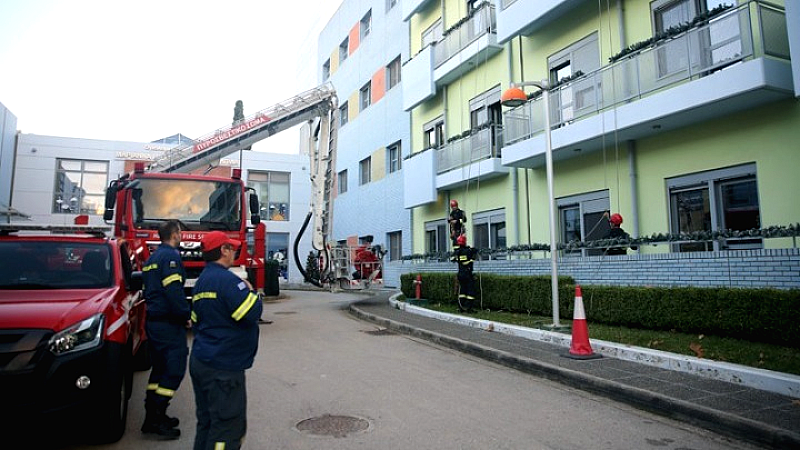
x=113, y=404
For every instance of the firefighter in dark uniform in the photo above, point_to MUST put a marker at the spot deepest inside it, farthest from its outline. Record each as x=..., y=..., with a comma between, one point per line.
x=457, y=219
x=464, y=256
x=616, y=232
x=225, y=313
x=165, y=324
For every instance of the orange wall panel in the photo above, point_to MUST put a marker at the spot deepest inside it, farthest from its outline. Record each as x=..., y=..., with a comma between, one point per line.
x=353, y=41
x=378, y=85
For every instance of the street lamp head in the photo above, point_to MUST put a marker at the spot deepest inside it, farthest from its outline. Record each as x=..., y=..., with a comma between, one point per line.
x=513, y=97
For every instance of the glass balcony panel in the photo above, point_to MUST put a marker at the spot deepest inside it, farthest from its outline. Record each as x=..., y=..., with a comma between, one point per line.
x=462, y=152
x=481, y=23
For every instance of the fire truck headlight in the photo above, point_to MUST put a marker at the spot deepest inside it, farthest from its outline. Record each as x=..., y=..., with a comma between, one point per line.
x=80, y=336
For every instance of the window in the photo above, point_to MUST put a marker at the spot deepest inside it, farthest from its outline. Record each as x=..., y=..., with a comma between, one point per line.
x=342, y=182
x=343, y=114
x=484, y=110
x=724, y=199
x=582, y=56
x=474, y=4
x=581, y=219
x=273, y=193
x=436, y=236
x=489, y=229
x=365, y=96
x=390, y=4
x=433, y=34
x=326, y=70
x=434, y=133
x=394, y=157
x=344, y=51
x=393, y=71
x=395, y=240
x=365, y=171
x=80, y=186
x=278, y=250
x=366, y=25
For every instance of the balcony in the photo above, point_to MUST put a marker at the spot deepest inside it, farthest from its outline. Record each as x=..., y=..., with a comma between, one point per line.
x=461, y=50
x=411, y=7
x=468, y=158
x=738, y=61
x=526, y=16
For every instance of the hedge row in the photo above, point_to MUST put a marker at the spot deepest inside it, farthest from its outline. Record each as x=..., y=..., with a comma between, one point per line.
x=758, y=315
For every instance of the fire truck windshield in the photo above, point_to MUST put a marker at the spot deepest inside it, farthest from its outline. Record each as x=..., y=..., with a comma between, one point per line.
x=199, y=205
x=30, y=264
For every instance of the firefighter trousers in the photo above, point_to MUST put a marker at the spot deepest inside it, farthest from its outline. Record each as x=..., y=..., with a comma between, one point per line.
x=221, y=403
x=168, y=354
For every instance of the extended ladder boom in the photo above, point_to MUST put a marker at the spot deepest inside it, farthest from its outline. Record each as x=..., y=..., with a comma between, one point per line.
x=209, y=149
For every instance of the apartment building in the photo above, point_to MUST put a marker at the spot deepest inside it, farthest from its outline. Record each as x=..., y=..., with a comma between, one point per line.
x=361, y=50
x=681, y=115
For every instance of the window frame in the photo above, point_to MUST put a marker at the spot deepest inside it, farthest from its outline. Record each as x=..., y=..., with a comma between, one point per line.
x=365, y=25
x=264, y=178
x=394, y=243
x=588, y=203
x=489, y=219
x=436, y=129
x=394, y=157
x=440, y=234
x=394, y=67
x=344, y=50
x=432, y=34
x=390, y=4
x=365, y=171
x=59, y=196
x=341, y=182
x=326, y=69
x=344, y=114
x=365, y=96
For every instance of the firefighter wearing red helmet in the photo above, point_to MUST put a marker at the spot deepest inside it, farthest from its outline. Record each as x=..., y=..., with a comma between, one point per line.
x=616, y=232
x=464, y=256
x=457, y=220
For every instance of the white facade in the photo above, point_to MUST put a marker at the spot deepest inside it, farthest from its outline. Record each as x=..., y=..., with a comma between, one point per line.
x=8, y=134
x=375, y=208
x=35, y=180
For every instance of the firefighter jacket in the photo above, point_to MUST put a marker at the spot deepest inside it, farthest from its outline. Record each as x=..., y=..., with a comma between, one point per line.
x=225, y=313
x=465, y=257
x=163, y=277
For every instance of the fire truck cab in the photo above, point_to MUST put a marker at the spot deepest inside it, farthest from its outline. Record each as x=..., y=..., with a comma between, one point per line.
x=71, y=329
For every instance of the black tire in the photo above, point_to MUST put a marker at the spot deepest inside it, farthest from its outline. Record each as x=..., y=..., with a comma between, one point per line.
x=112, y=412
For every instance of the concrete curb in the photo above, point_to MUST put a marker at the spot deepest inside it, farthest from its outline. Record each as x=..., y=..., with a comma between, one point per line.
x=765, y=380
x=707, y=418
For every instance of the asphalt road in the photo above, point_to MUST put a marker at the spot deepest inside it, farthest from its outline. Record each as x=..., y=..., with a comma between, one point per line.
x=364, y=388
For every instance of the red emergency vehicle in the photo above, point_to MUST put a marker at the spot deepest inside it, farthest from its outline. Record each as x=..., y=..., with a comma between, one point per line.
x=71, y=329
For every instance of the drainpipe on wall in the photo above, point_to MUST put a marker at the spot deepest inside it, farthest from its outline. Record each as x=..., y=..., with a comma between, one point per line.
x=514, y=171
x=621, y=21
x=634, y=189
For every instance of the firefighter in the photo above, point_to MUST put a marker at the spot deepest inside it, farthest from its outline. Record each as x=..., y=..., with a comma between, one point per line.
x=457, y=220
x=165, y=324
x=616, y=232
x=225, y=313
x=464, y=256
x=366, y=263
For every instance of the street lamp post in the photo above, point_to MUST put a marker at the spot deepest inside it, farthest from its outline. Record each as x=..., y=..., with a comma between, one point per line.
x=512, y=97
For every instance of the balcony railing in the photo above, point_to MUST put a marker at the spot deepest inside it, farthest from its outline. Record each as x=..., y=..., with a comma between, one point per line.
x=478, y=146
x=481, y=23
x=753, y=30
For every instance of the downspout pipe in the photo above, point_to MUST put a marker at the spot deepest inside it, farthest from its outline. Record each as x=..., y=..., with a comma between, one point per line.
x=634, y=188
x=514, y=170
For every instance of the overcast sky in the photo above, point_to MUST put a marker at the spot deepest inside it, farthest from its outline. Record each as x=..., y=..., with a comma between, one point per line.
x=143, y=70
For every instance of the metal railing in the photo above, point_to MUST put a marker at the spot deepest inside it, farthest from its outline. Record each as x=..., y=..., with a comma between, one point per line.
x=481, y=23
x=482, y=144
x=754, y=29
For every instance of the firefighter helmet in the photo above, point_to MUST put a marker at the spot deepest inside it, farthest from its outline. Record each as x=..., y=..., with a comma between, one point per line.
x=616, y=219
x=454, y=203
x=461, y=240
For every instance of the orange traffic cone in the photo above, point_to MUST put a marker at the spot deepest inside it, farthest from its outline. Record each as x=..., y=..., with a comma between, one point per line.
x=580, y=347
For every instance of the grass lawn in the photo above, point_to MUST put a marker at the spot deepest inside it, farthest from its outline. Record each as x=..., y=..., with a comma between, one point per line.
x=753, y=354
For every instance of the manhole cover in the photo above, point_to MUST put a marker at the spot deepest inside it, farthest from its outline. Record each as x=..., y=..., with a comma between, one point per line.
x=284, y=313
x=336, y=426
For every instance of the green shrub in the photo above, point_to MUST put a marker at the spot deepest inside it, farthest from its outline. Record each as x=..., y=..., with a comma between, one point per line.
x=758, y=315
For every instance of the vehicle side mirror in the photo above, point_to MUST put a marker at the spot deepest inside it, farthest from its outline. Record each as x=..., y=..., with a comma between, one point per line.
x=111, y=200
x=136, y=281
x=255, y=218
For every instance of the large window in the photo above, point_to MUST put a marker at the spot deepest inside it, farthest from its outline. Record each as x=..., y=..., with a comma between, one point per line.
x=365, y=170
x=582, y=56
x=342, y=182
x=365, y=26
x=394, y=157
x=393, y=71
x=273, y=193
x=436, y=236
x=489, y=229
x=80, y=186
x=581, y=219
x=434, y=133
x=365, y=96
x=724, y=199
x=395, y=240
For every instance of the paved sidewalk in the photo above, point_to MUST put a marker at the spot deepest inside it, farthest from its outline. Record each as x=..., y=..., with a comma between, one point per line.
x=763, y=418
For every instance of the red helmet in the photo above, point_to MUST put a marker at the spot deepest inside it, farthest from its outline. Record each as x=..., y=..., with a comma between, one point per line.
x=616, y=219
x=454, y=203
x=461, y=240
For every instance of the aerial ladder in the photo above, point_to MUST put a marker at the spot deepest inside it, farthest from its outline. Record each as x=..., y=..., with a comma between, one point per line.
x=318, y=109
